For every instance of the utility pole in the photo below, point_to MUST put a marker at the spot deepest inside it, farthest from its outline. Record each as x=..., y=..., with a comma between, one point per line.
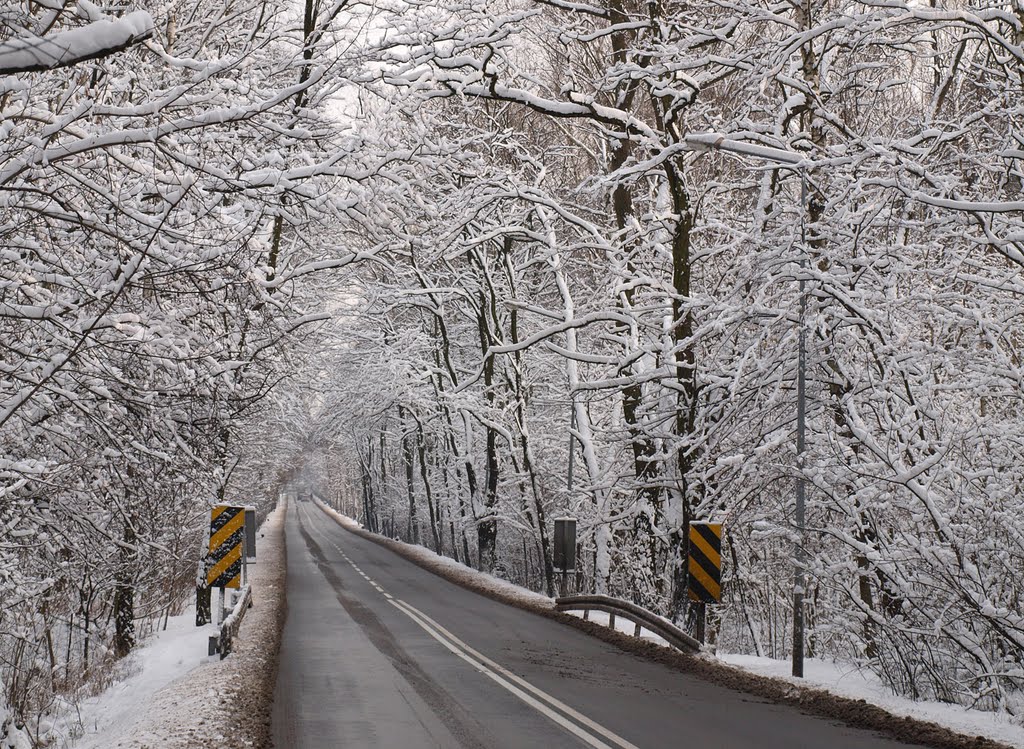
x=795, y=161
x=800, y=553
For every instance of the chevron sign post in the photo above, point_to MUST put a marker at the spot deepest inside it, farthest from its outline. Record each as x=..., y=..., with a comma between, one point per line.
x=705, y=563
x=705, y=571
x=227, y=545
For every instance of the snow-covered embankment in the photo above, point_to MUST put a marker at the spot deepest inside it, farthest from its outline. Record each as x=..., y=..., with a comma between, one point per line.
x=217, y=703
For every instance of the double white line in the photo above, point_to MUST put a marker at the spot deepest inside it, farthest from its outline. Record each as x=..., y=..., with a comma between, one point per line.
x=536, y=698
x=579, y=725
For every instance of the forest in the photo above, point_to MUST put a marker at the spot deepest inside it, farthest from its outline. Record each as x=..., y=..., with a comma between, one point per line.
x=466, y=266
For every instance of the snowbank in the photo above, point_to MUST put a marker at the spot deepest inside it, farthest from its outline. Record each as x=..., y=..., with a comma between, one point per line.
x=623, y=625
x=848, y=681
x=446, y=567
x=164, y=659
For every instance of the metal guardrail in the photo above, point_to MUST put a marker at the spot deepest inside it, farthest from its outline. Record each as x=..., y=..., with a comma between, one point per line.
x=223, y=643
x=640, y=617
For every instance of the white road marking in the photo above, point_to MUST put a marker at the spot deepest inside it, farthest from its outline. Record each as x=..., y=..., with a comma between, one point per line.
x=520, y=687
x=537, y=705
x=553, y=701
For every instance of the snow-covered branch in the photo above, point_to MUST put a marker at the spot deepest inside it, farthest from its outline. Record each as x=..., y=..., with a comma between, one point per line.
x=97, y=39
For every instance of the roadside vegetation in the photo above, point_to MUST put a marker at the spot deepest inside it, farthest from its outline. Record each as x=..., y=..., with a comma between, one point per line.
x=470, y=266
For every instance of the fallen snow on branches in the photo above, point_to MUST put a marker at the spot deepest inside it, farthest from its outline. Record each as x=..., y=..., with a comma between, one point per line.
x=93, y=40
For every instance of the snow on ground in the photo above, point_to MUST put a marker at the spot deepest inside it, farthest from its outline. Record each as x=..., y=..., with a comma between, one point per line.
x=166, y=657
x=845, y=681
x=623, y=625
x=446, y=566
x=345, y=520
x=848, y=681
x=180, y=698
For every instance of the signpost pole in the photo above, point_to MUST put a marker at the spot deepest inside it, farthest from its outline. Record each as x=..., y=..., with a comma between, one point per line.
x=565, y=551
x=203, y=612
x=700, y=625
x=800, y=555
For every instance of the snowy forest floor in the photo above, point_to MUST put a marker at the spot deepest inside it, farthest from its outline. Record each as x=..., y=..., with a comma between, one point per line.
x=180, y=698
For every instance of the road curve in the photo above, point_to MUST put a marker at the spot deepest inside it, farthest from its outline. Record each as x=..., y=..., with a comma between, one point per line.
x=379, y=653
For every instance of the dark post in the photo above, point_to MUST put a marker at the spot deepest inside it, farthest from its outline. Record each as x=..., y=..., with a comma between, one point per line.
x=203, y=610
x=800, y=555
x=700, y=619
x=565, y=550
x=250, y=532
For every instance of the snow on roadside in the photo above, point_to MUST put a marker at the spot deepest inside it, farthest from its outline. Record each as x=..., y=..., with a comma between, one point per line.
x=183, y=699
x=450, y=569
x=835, y=679
x=166, y=657
x=623, y=625
x=848, y=681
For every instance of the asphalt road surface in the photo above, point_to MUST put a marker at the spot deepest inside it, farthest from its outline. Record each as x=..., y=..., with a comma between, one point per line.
x=377, y=652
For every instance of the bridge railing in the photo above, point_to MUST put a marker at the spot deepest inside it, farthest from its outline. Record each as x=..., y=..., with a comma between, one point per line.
x=640, y=617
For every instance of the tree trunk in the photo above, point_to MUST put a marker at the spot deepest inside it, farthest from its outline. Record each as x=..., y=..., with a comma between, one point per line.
x=645, y=462
x=686, y=400
x=539, y=515
x=582, y=432
x=487, y=525
x=124, y=594
x=421, y=446
x=413, y=535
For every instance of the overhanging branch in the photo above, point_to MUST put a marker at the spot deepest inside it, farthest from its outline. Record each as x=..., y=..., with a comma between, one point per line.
x=92, y=41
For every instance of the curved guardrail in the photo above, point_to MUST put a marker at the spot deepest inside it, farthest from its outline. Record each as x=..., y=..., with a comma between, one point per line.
x=640, y=617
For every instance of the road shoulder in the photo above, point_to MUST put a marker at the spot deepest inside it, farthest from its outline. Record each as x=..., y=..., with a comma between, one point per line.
x=227, y=703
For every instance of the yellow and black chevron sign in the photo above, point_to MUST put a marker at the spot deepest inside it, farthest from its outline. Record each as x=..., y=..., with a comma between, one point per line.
x=227, y=530
x=705, y=563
